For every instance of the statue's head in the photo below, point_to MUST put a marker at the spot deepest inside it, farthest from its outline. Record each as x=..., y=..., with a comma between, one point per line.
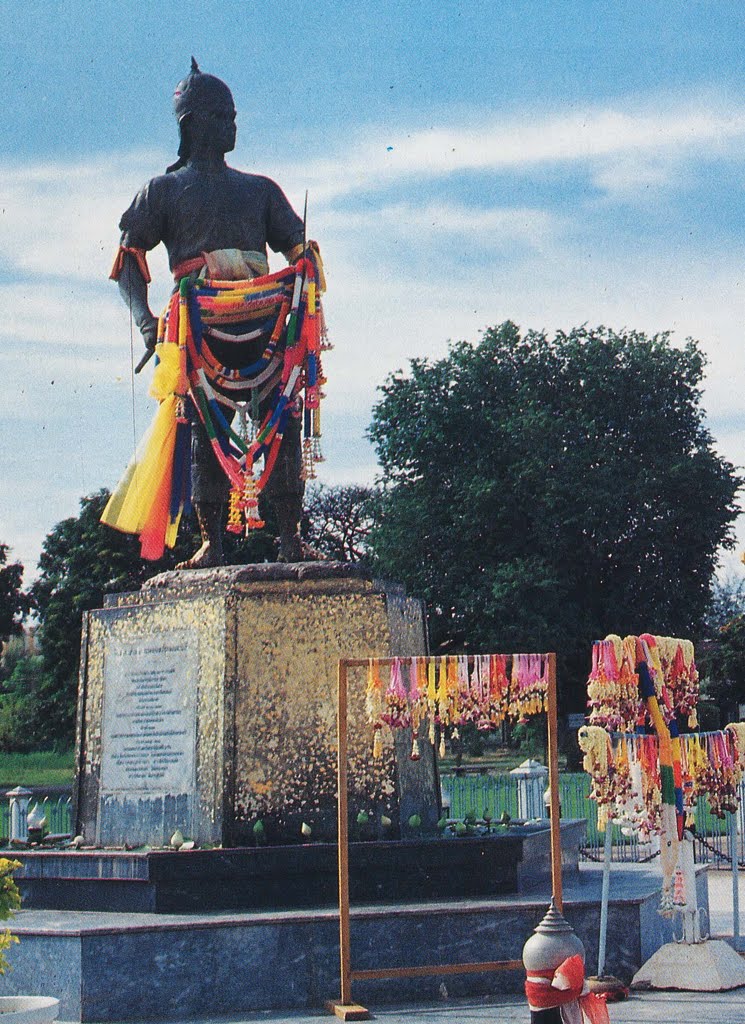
x=204, y=108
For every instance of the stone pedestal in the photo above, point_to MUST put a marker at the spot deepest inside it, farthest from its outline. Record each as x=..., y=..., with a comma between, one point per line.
x=710, y=966
x=208, y=702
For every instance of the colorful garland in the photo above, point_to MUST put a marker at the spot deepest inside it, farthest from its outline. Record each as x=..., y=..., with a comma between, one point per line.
x=651, y=783
x=628, y=780
x=449, y=691
x=284, y=310
x=614, y=699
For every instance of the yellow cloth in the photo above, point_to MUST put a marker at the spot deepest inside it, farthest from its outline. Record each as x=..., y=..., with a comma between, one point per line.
x=131, y=505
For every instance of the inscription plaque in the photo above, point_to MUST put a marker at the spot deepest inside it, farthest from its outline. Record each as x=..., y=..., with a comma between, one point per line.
x=149, y=715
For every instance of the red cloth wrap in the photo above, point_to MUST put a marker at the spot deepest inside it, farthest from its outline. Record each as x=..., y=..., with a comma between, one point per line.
x=548, y=997
x=140, y=258
x=186, y=267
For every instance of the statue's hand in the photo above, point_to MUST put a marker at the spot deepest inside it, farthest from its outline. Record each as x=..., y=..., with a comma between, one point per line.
x=149, y=332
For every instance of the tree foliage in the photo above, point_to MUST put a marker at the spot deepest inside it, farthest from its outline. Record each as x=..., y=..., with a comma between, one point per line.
x=726, y=602
x=81, y=560
x=722, y=666
x=13, y=603
x=541, y=491
x=338, y=520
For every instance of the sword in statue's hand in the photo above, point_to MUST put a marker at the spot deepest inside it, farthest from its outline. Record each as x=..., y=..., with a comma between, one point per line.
x=145, y=359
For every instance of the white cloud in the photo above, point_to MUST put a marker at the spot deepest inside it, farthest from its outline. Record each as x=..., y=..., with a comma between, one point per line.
x=596, y=137
x=60, y=219
x=498, y=224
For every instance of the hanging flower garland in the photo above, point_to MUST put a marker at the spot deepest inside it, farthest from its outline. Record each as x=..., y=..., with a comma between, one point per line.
x=374, y=704
x=653, y=782
x=595, y=744
x=613, y=696
x=396, y=713
x=447, y=692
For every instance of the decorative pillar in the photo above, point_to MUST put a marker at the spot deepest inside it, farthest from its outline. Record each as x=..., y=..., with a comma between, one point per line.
x=531, y=779
x=19, y=800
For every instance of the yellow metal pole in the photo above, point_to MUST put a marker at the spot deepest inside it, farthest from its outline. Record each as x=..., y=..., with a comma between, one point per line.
x=345, y=1009
x=553, y=781
x=343, y=840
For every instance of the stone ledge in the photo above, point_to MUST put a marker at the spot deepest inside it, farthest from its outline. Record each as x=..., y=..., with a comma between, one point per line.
x=230, y=575
x=250, y=878
x=184, y=584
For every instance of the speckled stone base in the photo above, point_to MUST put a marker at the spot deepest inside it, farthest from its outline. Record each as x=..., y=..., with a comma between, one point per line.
x=208, y=701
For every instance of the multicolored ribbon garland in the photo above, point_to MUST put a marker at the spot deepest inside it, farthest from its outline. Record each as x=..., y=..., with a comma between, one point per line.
x=627, y=782
x=635, y=785
x=614, y=699
x=286, y=311
x=451, y=690
x=653, y=782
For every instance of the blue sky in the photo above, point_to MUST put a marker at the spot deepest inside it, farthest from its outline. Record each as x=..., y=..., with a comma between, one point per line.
x=550, y=163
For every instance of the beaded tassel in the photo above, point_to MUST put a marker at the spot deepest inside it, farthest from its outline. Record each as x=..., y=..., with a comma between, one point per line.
x=250, y=503
x=309, y=470
x=235, y=513
x=679, y=893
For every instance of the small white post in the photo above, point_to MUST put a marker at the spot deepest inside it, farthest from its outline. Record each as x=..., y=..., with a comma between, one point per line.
x=445, y=797
x=691, y=926
x=19, y=800
x=605, y=894
x=531, y=781
x=733, y=852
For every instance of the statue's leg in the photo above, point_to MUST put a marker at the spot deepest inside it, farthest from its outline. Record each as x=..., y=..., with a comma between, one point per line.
x=284, y=492
x=552, y=1016
x=209, y=494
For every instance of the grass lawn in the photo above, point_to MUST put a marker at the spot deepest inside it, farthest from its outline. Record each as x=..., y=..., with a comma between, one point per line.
x=43, y=768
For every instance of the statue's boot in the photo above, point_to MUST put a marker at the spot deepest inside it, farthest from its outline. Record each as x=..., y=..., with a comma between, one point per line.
x=292, y=548
x=210, y=519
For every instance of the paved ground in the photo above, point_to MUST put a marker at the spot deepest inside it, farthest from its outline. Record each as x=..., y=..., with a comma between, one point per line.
x=661, y=1007
x=720, y=902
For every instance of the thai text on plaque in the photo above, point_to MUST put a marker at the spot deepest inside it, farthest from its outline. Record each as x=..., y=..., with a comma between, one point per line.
x=149, y=717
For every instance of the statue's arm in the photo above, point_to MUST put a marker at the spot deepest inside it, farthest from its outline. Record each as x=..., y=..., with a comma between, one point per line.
x=141, y=226
x=133, y=290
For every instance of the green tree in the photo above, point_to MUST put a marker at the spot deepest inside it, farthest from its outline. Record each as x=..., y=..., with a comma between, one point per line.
x=338, y=520
x=727, y=601
x=13, y=603
x=541, y=492
x=721, y=663
x=81, y=560
x=19, y=712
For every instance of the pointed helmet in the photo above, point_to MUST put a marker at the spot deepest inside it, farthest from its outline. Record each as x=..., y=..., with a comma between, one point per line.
x=197, y=91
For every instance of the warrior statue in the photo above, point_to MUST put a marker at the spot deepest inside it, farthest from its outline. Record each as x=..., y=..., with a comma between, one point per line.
x=215, y=222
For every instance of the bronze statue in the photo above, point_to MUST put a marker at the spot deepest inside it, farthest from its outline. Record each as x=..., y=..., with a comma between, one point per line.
x=216, y=222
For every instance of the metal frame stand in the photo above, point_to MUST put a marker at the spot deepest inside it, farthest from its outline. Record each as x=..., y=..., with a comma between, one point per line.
x=345, y=1008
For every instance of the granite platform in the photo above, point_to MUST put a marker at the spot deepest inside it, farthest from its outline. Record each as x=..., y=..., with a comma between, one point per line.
x=127, y=966
x=508, y=860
